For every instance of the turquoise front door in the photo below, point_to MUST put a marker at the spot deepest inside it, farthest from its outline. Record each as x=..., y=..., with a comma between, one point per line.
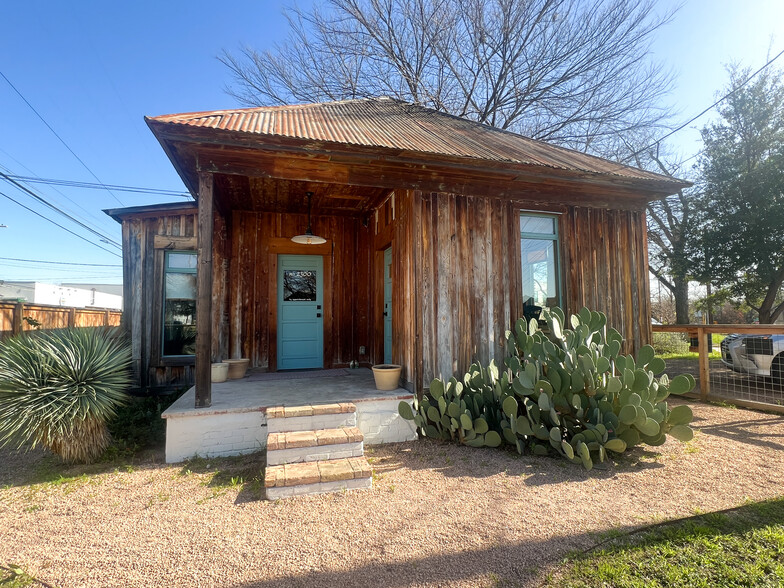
x=300, y=312
x=388, y=305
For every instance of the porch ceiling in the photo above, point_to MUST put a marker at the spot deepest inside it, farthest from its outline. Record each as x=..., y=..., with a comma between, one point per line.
x=237, y=192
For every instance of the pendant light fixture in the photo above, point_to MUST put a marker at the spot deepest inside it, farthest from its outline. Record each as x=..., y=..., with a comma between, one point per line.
x=308, y=238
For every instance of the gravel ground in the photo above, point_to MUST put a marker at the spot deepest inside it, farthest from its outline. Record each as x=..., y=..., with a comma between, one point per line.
x=438, y=515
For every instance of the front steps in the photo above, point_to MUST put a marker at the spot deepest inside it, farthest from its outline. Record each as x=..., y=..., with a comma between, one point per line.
x=313, y=449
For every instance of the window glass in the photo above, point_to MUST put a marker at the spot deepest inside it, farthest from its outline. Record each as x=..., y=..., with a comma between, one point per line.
x=542, y=225
x=179, y=304
x=539, y=256
x=181, y=260
x=299, y=285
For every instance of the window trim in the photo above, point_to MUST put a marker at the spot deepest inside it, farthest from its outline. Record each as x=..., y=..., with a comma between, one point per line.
x=178, y=358
x=555, y=237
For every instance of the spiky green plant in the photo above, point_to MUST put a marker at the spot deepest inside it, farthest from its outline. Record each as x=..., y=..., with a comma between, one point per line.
x=59, y=389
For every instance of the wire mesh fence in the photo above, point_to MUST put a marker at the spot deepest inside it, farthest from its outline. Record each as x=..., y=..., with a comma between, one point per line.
x=739, y=364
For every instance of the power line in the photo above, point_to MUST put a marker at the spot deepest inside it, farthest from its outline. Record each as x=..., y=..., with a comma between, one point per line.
x=62, y=262
x=58, y=224
x=712, y=106
x=48, y=126
x=95, y=221
x=43, y=201
x=91, y=185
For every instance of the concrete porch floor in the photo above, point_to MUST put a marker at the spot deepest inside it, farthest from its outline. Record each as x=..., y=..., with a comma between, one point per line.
x=260, y=390
x=236, y=422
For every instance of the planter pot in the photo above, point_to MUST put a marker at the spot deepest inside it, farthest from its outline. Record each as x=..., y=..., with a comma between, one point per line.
x=237, y=367
x=387, y=376
x=220, y=371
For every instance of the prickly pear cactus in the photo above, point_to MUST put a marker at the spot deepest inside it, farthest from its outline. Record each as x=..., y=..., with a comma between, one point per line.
x=564, y=391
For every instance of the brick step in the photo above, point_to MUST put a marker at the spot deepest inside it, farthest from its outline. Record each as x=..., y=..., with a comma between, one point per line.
x=311, y=417
x=322, y=444
x=315, y=477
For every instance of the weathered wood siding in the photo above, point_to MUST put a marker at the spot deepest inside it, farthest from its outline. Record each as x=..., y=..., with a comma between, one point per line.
x=256, y=240
x=145, y=239
x=468, y=277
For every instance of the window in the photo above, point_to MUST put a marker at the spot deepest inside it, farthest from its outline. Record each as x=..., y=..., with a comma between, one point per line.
x=541, y=274
x=179, y=304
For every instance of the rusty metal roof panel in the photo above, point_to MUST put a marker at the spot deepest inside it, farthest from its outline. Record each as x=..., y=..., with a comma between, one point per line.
x=393, y=124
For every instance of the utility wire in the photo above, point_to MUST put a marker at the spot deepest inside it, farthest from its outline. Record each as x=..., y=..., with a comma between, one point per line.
x=43, y=201
x=62, y=262
x=60, y=192
x=48, y=126
x=712, y=106
x=58, y=225
x=91, y=185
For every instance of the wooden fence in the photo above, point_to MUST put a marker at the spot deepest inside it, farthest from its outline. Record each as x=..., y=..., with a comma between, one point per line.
x=717, y=381
x=16, y=317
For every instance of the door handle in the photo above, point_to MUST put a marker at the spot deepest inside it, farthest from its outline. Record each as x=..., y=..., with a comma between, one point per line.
x=318, y=315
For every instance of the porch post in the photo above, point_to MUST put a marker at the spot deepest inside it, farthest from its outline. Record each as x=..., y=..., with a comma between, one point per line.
x=204, y=293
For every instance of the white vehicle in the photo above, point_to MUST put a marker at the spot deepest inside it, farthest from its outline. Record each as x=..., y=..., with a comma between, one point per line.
x=759, y=355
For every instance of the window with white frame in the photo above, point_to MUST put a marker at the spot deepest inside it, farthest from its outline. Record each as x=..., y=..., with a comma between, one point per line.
x=179, y=304
x=540, y=267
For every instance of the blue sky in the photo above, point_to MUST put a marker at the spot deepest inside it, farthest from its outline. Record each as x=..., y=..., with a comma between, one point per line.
x=93, y=70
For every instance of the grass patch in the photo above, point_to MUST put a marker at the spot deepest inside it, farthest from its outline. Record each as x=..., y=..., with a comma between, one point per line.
x=243, y=473
x=12, y=576
x=738, y=547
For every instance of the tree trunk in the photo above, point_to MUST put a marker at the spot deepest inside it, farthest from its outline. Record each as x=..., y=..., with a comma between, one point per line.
x=769, y=311
x=681, y=294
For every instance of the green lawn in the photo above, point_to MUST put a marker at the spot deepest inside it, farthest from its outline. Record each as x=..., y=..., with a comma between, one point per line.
x=738, y=547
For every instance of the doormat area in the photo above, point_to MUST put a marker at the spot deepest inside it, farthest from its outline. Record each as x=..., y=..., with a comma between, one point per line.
x=269, y=376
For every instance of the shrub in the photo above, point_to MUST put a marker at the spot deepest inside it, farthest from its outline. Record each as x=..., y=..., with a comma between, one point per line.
x=138, y=424
x=670, y=343
x=59, y=388
x=565, y=392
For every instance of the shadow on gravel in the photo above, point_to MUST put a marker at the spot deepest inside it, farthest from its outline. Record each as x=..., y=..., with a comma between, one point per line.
x=751, y=432
x=26, y=468
x=523, y=563
x=458, y=461
x=245, y=472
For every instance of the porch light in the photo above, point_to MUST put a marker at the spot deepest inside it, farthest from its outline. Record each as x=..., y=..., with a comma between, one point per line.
x=308, y=238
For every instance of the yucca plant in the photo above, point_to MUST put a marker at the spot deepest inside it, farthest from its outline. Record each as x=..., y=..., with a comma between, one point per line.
x=59, y=389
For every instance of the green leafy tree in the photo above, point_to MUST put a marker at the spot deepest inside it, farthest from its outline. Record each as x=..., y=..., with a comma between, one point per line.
x=742, y=192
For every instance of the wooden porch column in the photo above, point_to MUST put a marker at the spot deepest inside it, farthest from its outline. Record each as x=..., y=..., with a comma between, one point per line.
x=204, y=293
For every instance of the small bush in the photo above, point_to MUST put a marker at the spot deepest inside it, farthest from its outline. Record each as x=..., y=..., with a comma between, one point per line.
x=138, y=424
x=60, y=388
x=670, y=343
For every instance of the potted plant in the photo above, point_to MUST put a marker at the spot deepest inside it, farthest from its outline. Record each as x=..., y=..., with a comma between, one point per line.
x=387, y=376
x=237, y=367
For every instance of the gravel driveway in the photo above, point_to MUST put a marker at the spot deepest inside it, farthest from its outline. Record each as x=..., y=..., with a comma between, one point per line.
x=438, y=515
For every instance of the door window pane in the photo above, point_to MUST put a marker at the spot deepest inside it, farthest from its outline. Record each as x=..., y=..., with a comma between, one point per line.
x=299, y=285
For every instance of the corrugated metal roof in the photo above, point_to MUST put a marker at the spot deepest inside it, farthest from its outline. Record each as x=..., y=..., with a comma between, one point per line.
x=393, y=124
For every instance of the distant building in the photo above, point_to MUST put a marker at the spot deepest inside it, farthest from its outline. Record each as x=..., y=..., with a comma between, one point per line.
x=76, y=295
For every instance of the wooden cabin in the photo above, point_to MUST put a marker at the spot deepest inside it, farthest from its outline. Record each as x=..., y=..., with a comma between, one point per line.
x=438, y=233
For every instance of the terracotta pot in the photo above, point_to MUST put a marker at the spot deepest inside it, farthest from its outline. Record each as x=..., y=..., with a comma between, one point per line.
x=220, y=372
x=237, y=367
x=387, y=376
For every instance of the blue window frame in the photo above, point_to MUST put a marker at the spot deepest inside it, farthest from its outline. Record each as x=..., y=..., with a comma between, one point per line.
x=541, y=272
x=179, y=303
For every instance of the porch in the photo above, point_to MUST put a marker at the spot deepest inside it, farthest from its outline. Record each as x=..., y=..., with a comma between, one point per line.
x=236, y=421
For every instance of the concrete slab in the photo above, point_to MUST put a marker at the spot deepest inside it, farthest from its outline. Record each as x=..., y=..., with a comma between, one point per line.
x=258, y=391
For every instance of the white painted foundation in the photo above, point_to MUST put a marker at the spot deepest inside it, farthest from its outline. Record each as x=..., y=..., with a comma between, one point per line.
x=214, y=435
x=218, y=434
x=380, y=422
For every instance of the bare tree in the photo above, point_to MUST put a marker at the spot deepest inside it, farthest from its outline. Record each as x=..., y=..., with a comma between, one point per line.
x=573, y=72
